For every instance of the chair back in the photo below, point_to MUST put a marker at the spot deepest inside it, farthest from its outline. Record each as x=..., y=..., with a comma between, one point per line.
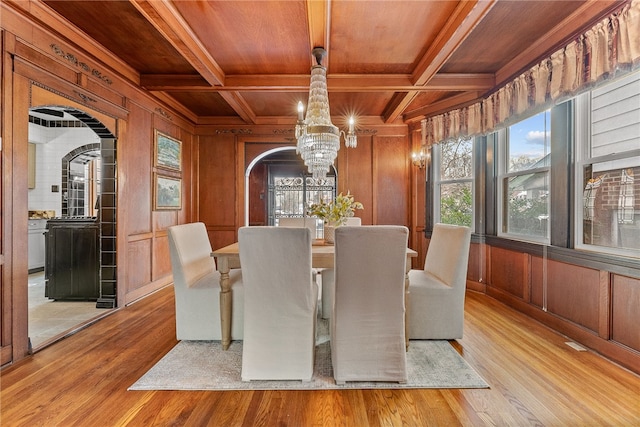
x=307, y=222
x=367, y=321
x=280, y=303
x=353, y=221
x=190, y=252
x=197, y=286
x=448, y=254
x=327, y=275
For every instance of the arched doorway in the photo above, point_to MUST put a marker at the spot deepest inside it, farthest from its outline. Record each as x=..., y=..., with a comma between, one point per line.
x=81, y=169
x=280, y=170
x=65, y=141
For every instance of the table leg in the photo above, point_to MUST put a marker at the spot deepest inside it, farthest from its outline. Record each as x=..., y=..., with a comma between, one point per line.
x=225, y=302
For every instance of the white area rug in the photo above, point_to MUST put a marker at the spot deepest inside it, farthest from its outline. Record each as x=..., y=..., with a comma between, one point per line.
x=203, y=365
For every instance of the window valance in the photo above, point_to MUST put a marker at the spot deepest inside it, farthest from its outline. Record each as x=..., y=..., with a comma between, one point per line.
x=607, y=50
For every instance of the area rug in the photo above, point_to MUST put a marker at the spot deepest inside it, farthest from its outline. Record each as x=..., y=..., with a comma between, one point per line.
x=203, y=365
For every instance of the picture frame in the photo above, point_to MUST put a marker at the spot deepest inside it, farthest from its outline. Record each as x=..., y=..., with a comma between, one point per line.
x=168, y=152
x=167, y=192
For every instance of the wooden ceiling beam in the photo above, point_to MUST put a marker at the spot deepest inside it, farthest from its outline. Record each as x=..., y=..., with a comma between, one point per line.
x=335, y=82
x=318, y=22
x=460, y=25
x=240, y=106
x=170, y=23
x=158, y=82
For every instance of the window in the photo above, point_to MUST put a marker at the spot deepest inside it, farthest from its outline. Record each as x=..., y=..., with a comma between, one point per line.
x=291, y=195
x=608, y=168
x=524, y=161
x=454, y=182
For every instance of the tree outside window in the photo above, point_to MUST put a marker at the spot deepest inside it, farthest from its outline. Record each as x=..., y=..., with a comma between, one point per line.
x=454, y=182
x=525, y=178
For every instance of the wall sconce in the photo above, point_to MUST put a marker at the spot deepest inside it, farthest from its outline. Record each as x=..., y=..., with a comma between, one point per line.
x=419, y=159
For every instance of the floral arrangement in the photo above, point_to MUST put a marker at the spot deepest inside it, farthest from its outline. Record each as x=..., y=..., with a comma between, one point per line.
x=337, y=211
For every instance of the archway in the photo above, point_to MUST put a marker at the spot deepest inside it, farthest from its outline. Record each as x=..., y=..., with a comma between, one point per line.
x=81, y=181
x=254, y=162
x=61, y=124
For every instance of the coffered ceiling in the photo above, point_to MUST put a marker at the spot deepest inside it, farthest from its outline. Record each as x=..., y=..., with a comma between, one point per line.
x=388, y=61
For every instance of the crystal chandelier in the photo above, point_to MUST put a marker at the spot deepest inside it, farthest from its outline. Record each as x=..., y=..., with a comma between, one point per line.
x=318, y=139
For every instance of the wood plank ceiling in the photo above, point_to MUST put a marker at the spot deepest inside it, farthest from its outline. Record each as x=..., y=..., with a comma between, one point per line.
x=388, y=61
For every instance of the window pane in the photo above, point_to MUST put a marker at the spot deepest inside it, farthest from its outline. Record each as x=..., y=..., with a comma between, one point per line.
x=320, y=189
x=528, y=145
x=527, y=207
x=608, y=184
x=615, y=116
x=611, y=204
x=293, y=194
x=456, y=204
x=456, y=159
x=288, y=196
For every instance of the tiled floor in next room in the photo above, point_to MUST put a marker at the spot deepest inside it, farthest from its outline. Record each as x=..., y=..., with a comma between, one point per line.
x=49, y=319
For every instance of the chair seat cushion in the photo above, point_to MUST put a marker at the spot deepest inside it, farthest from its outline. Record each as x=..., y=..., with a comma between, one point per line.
x=419, y=279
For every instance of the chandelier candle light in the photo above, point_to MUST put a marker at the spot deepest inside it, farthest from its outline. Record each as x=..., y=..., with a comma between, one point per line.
x=318, y=139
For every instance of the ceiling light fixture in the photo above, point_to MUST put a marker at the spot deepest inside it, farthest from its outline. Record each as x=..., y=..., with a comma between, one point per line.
x=318, y=139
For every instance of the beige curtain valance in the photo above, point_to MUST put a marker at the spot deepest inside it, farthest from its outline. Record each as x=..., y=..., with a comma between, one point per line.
x=609, y=49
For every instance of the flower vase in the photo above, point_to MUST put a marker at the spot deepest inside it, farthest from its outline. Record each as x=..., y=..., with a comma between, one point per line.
x=329, y=233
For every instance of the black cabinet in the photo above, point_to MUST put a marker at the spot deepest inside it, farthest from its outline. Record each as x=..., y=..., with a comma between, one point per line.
x=72, y=259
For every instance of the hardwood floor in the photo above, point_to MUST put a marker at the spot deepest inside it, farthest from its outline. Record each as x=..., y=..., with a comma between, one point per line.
x=535, y=378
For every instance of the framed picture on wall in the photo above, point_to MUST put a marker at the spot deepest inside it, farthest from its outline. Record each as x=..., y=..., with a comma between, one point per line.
x=167, y=192
x=168, y=152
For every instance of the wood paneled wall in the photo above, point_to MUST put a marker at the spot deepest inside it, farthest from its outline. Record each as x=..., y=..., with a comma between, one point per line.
x=594, y=306
x=376, y=172
x=34, y=72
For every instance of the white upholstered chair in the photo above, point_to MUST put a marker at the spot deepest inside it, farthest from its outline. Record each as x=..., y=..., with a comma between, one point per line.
x=436, y=293
x=327, y=277
x=307, y=222
x=367, y=322
x=281, y=300
x=196, y=285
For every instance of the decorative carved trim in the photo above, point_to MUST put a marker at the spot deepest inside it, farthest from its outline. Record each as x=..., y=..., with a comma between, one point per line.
x=283, y=131
x=85, y=98
x=64, y=95
x=163, y=113
x=234, y=131
x=358, y=131
x=80, y=64
x=367, y=131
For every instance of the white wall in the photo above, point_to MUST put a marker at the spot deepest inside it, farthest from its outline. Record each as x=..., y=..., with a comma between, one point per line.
x=52, y=144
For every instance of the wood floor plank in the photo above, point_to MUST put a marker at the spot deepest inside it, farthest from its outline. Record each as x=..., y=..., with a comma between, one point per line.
x=535, y=379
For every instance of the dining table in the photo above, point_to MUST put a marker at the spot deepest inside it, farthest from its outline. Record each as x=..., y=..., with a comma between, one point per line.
x=322, y=256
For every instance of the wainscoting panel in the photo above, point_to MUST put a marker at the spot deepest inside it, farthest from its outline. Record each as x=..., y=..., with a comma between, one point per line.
x=625, y=314
x=161, y=260
x=139, y=263
x=573, y=293
x=475, y=270
x=509, y=271
x=538, y=266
